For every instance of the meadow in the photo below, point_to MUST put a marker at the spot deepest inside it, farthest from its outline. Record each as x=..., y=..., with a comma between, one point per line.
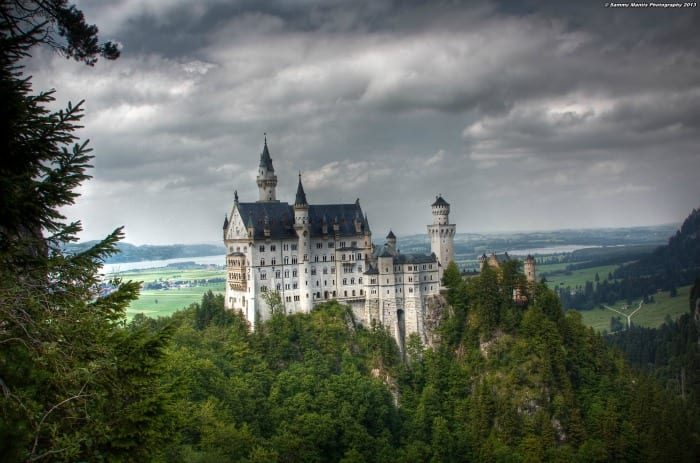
x=651, y=315
x=156, y=303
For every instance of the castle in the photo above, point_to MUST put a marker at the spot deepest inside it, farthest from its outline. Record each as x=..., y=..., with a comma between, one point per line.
x=313, y=253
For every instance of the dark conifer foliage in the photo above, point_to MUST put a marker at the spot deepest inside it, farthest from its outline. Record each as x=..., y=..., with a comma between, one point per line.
x=74, y=384
x=525, y=383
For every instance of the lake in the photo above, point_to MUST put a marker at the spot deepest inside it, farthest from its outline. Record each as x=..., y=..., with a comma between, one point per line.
x=108, y=269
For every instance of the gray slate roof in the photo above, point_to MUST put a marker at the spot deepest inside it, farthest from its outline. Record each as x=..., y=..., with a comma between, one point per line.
x=280, y=218
x=265, y=159
x=439, y=201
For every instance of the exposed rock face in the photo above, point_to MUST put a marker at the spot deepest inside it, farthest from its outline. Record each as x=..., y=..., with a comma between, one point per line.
x=435, y=311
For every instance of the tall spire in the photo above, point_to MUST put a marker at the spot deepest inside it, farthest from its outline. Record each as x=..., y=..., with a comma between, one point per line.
x=266, y=179
x=265, y=159
x=301, y=196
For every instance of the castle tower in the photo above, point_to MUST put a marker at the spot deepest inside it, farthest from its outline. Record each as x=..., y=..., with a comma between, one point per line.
x=442, y=233
x=391, y=240
x=530, y=269
x=266, y=179
x=482, y=262
x=303, y=228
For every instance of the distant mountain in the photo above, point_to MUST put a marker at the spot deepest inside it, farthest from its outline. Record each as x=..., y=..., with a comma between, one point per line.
x=131, y=253
x=675, y=264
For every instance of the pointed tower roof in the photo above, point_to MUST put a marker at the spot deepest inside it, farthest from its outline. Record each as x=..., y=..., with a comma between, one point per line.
x=391, y=235
x=225, y=221
x=265, y=159
x=439, y=201
x=301, y=196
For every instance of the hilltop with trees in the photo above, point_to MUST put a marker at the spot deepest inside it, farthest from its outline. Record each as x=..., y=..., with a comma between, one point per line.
x=507, y=381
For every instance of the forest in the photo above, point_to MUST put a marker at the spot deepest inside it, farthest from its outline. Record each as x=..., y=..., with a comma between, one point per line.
x=502, y=381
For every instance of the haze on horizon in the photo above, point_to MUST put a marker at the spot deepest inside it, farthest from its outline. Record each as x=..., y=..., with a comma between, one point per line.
x=523, y=115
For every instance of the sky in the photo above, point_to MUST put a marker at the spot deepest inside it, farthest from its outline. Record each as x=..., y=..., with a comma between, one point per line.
x=522, y=115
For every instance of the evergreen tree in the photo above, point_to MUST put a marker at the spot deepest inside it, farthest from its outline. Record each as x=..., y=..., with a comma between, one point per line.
x=75, y=385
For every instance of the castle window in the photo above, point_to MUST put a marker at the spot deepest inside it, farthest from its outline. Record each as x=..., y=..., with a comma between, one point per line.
x=296, y=298
x=333, y=293
x=285, y=247
x=353, y=244
x=294, y=246
x=262, y=248
x=286, y=286
x=273, y=247
x=286, y=260
x=353, y=292
x=343, y=257
x=345, y=281
x=373, y=281
x=273, y=261
x=345, y=293
x=359, y=268
x=263, y=288
x=332, y=258
x=279, y=286
x=325, y=270
x=262, y=262
x=313, y=270
x=294, y=273
x=289, y=298
x=286, y=273
x=359, y=280
x=352, y=281
x=332, y=269
x=306, y=257
x=331, y=244
x=263, y=276
x=318, y=283
x=342, y=244
x=410, y=290
x=319, y=245
x=294, y=259
x=295, y=285
x=362, y=292
x=277, y=274
x=324, y=258
x=315, y=258
x=359, y=256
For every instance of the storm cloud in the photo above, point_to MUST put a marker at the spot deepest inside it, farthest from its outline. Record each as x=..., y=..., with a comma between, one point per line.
x=529, y=115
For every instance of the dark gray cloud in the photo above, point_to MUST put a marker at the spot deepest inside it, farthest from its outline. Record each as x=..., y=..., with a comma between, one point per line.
x=527, y=115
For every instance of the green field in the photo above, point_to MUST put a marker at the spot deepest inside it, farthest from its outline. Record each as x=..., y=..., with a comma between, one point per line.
x=577, y=277
x=650, y=315
x=163, y=302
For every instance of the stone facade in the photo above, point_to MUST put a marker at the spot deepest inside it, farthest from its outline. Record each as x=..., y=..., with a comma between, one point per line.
x=314, y=253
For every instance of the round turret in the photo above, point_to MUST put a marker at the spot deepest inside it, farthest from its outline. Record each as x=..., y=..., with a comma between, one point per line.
x=441, y=211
